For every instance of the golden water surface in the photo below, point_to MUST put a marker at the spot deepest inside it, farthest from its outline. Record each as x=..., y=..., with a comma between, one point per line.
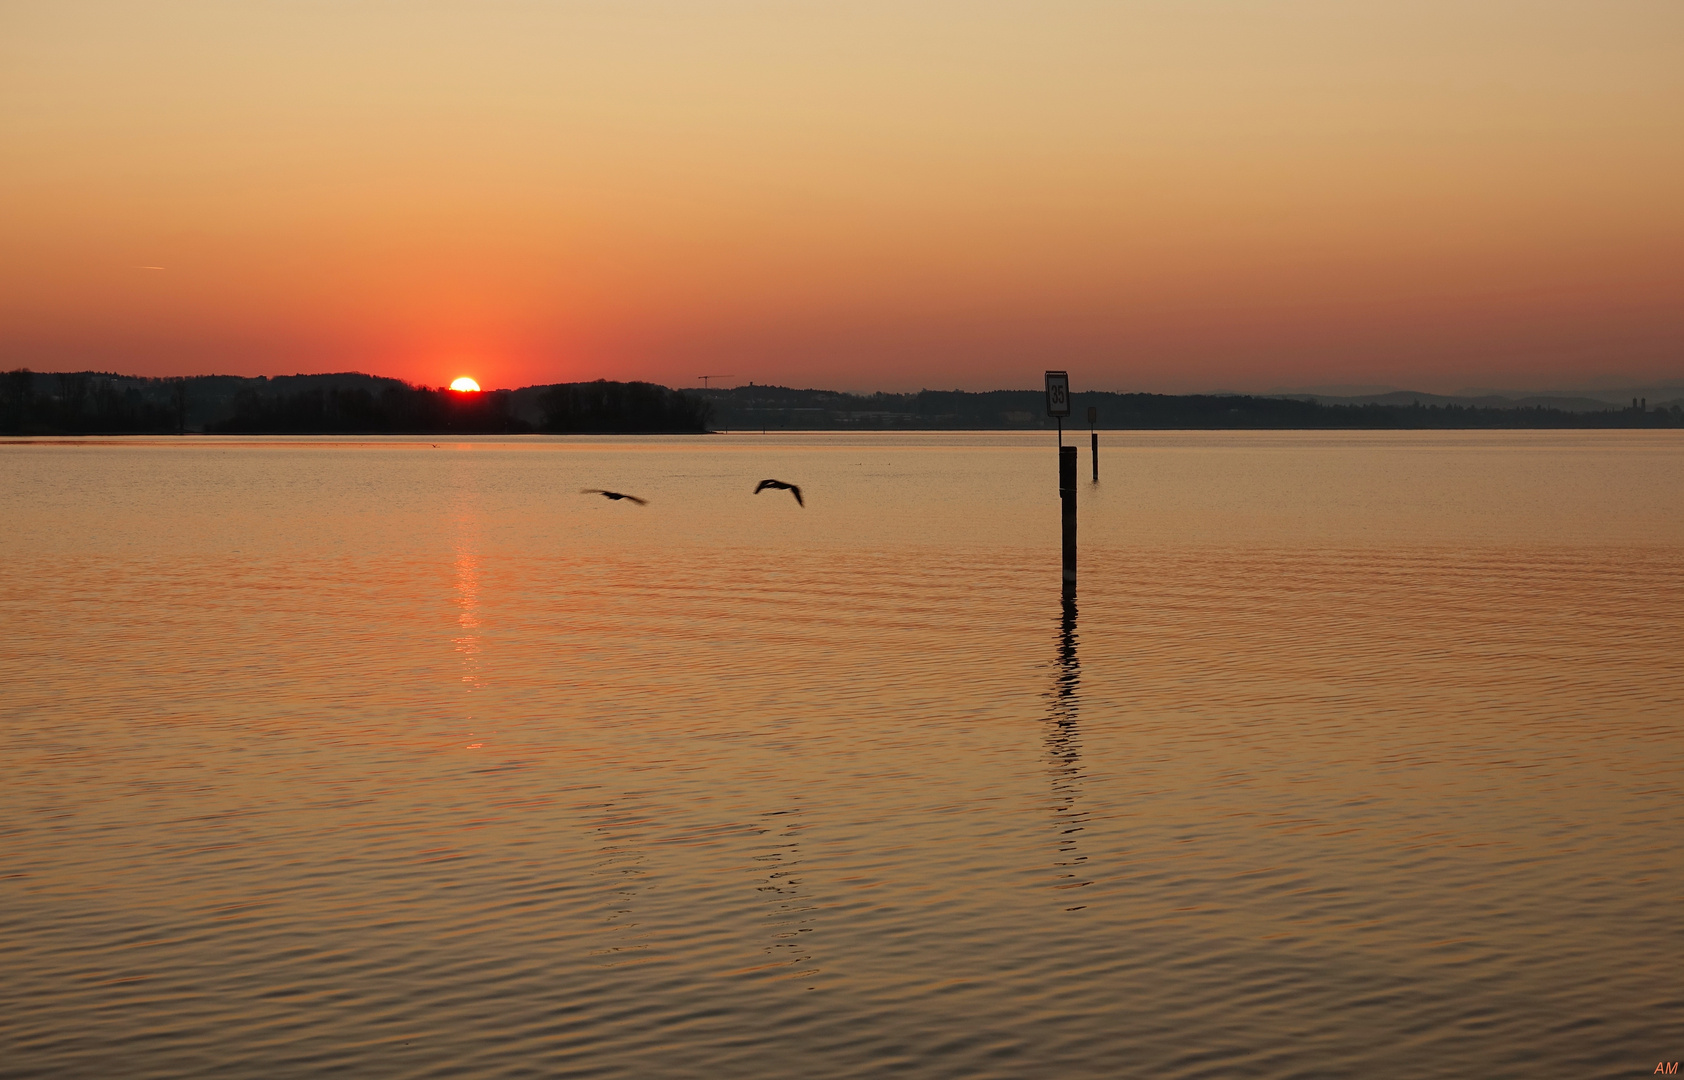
x=1353, y=754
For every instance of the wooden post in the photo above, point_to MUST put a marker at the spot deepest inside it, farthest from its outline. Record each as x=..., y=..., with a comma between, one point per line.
x=1067, y=495
x=1058, y=405
x=1093, y=418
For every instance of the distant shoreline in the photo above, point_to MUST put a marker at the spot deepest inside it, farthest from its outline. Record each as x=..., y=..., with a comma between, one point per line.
x=352, y=404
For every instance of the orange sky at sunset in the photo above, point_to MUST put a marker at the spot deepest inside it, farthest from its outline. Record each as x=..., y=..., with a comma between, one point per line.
x=1156, y=195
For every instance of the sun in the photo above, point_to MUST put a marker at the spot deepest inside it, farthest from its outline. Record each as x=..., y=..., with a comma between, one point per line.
x=465, y=385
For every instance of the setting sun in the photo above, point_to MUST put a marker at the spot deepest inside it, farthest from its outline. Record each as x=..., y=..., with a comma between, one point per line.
x=466, y=385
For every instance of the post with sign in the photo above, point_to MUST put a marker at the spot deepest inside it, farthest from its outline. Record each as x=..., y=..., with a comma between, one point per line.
x=1093, y=418
x=1058, y=405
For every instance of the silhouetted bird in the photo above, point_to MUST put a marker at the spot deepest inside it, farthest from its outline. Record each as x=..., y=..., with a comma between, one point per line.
x=613, y=495
x=780, y=486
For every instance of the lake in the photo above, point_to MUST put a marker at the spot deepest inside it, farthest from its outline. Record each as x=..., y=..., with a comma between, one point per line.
x=1353, y=754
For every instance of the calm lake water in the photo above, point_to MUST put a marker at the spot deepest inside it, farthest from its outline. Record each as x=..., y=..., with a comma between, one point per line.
x=1356, y=755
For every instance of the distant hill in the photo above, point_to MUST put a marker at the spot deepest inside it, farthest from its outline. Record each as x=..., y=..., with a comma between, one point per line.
x=755, y=408
x=351, y=403
x=1586, y=399
x=1483, y=401
x=346, y=403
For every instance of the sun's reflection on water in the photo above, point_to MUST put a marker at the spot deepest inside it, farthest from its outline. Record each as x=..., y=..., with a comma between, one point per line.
x=467, y=598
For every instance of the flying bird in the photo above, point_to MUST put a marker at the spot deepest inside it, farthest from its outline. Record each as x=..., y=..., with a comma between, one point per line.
x=613, y=495
x=779, y=485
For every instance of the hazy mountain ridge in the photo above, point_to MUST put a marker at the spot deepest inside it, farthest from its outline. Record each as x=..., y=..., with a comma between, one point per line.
x=1572, y=399
x=354, y=403
x=349, y=403
x=784, y=408
x=1484, y=401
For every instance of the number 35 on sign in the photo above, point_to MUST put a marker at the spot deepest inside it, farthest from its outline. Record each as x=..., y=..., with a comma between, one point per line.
x=1058, y=393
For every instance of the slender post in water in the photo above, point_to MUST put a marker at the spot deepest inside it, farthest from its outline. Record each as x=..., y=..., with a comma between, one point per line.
x=1093, y=418
x=1067, y=496
x=1058, y=407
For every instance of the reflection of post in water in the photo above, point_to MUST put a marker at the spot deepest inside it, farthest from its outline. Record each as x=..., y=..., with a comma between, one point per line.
x=619, y=826
x=789, y=911
x=1064, y=751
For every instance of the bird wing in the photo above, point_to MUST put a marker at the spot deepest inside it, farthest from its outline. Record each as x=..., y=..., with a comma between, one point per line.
x=796, y=491
x=762, y=486
x=613, y=495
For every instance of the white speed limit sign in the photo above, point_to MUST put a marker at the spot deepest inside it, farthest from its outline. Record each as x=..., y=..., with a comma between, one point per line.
x=1058, y=393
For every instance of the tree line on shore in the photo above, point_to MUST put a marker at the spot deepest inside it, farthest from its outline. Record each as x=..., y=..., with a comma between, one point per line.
x=595, y=408
x=89, y=403
x=756, y=408
x=80, y=403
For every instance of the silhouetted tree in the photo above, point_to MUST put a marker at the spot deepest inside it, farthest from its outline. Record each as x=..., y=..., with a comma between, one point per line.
x=178, y=402
x=355, y=410
x=17, y=399
x=72, y=398
x=616, y=408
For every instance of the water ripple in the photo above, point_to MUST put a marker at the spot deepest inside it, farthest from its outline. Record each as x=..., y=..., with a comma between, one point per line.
x=478, y=781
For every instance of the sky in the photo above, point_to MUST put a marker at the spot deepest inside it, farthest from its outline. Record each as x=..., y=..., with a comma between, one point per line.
x=1169, y=196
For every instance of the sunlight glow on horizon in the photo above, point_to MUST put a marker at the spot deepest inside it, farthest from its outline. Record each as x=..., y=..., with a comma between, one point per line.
x=465, y=385
x=1156, y=196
